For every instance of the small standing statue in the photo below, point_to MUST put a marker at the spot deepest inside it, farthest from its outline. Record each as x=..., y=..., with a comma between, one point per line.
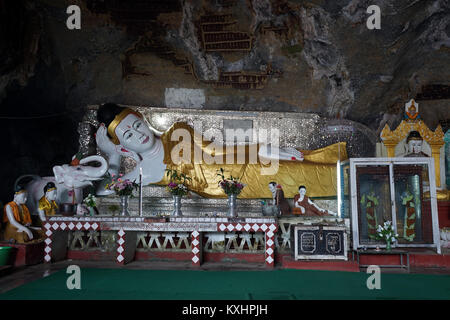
x=17, y=220
x=410, y=215
x=278, y=198
x=304, y=206
x=47, y=205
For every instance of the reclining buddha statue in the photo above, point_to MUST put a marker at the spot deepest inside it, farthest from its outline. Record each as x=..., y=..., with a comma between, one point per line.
x=124, y=132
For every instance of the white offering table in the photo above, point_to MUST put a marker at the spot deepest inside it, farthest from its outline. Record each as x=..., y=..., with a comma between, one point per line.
x=57, y=227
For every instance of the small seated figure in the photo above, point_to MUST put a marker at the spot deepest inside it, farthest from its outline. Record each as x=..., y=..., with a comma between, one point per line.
x=278, y=198
x=47, y=205
x=304, y=206
x=17, y=220
x=415, y=144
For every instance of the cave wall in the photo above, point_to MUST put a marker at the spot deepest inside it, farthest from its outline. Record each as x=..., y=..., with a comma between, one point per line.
x=266, y=55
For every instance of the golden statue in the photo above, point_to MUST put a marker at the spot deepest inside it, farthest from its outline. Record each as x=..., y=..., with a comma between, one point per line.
x=124, y=133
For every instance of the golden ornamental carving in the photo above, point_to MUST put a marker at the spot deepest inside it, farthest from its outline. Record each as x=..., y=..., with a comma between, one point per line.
x=401, y=132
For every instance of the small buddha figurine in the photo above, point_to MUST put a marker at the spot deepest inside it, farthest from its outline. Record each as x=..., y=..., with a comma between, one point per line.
x=47, y=205
x=415, y=144
x=304, y=206
x=17, y=220
x=278, y=198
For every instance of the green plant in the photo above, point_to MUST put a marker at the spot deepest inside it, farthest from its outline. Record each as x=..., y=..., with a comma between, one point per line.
x=90, y=200
x=174, y=176
x=113, y=208
x=231, y=185
x=177, y=185
x=386, y=232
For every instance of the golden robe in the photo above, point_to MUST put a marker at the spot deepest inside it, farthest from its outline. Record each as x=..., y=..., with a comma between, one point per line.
x=23, y=217
x=317, y=171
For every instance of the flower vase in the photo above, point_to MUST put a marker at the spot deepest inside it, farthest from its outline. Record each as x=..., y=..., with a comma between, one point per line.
x=388, y=246
x=176, y=206
x=91, y=211
x=124, y=205
x=232, y=205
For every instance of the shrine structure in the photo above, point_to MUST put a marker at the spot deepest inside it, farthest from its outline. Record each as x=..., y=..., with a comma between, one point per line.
x=331, y=232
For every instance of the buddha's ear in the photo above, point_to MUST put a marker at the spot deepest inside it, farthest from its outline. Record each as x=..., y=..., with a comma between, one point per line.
x=155, y=131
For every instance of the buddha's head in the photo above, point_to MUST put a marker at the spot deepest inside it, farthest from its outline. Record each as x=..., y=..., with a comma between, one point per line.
x=126, y=127
x=50, y=191
x=302, y=190
x=414, y=142
x=20, y=196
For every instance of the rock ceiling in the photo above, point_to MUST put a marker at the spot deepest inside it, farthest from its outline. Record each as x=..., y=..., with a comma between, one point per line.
x=275, y=55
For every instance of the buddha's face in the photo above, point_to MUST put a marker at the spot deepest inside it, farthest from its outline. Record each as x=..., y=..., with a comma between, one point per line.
x=20, y=198
x=415, y=146
x=51, y=195
x=134, y=134
x=302, y=191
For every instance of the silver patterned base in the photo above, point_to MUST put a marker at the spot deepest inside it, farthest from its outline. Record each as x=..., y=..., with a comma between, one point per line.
x=158, y=201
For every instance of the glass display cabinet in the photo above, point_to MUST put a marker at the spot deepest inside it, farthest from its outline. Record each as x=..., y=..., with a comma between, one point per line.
x=401, y=190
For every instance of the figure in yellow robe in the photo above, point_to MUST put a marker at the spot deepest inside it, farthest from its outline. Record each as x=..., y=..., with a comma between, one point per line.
x=22, y=216
x=124, y=132
x=49, y=207
x=317, y=171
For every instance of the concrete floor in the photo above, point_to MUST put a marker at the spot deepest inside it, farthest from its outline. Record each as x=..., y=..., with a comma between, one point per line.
x=20, y=276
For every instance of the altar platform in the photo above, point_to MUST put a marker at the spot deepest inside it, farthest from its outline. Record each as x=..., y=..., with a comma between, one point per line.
x=256, y=242
x=180, y=234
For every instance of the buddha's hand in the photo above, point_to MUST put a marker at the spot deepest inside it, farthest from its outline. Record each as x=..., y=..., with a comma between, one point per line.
x=103, y=141
x=27, y=231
